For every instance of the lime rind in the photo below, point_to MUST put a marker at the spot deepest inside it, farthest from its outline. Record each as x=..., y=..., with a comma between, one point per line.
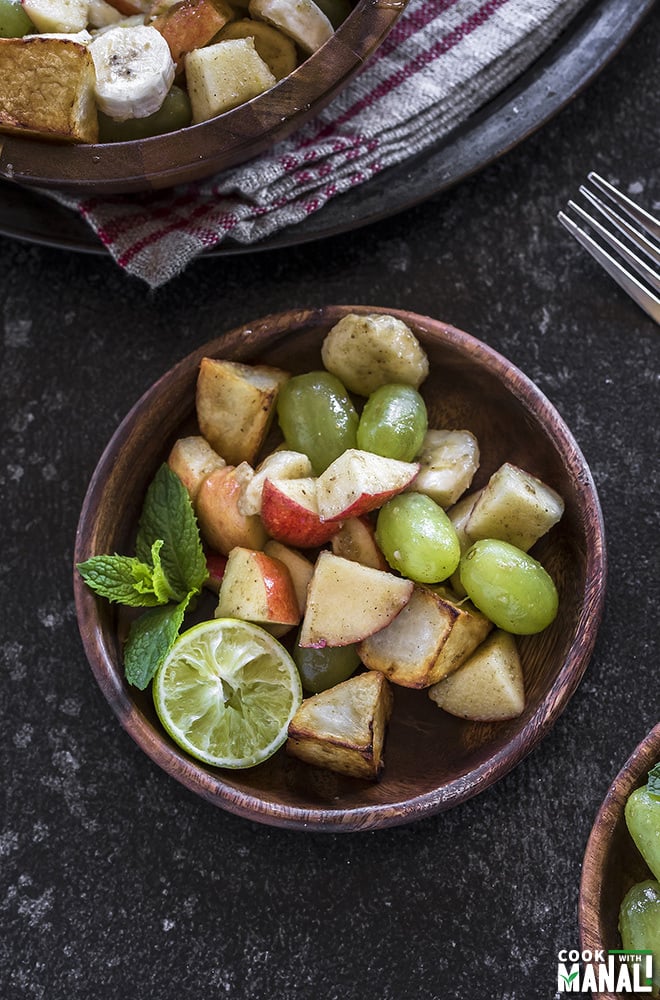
x=227, y=692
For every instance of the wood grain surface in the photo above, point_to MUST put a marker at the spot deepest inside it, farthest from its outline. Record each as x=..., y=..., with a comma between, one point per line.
x=433, y=761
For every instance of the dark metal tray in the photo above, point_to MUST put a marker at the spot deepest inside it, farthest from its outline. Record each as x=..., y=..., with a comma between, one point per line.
x=569, y=65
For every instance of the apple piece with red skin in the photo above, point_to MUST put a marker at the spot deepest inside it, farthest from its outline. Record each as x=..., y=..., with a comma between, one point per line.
x=257, y=588
x=215, y=565
x=346, y=601
x=281, y=464
x=360, y=481
x=356, y=540
x=300, y=568
x=220, y=521
x=289, y=513
x=191, y=24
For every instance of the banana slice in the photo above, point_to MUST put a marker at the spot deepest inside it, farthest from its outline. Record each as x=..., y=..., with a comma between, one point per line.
x=301, y=20
x=276, y=50
x=134, y=71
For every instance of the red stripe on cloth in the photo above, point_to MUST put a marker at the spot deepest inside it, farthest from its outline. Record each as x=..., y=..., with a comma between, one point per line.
x=226, y=220
x=410, y=23
x=298, y=179
x=114, y=227
x=407, y=71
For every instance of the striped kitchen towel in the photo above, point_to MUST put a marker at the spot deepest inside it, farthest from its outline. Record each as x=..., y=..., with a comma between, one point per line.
x=442, y=61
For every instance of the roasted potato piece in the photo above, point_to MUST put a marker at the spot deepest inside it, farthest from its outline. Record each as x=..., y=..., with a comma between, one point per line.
x=448, y=461
x=236, y=405
x=489, y=686
x=47, y=89
x=223, y=75
x=365, y=352
x=514, y=507
x=193, y=460
x=429, y=639
x=343, y=728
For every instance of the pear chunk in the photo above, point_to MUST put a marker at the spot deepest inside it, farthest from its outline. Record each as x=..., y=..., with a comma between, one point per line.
x=489, y=687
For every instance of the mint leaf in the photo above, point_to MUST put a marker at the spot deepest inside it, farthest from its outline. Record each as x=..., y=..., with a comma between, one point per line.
x=168, y=514
x=150, y=638
x=161, y=584
x=122, y=579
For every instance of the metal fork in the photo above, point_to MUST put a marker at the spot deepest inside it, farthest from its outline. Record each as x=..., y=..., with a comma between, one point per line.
x=640, y=230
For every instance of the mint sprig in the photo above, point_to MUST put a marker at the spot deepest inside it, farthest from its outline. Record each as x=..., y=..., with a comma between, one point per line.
x=170, y=566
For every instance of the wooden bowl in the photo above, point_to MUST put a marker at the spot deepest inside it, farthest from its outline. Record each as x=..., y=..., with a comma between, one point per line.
x=198, y=151
x=612, y=863
x=433, y=760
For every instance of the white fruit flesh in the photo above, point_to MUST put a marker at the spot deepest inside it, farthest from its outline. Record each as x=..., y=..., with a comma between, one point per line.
x=134, y=71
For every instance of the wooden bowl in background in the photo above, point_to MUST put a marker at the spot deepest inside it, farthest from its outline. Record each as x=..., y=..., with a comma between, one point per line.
x=433, y=760
x=198, y=151
x=612, y=863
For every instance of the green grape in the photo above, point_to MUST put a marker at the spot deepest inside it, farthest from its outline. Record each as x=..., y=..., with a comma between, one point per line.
x=642, y=814
x=174, y=113
x=639, y=923
x=417, y=538
x=393, y=422
x=14, y=22
x=317, y=417
x=321, y=669
x=509, y=586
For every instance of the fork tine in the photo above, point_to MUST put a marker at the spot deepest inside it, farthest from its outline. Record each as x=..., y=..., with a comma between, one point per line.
x=642, y=296
x=638, y=265
x=646, y=221
x=634, y=235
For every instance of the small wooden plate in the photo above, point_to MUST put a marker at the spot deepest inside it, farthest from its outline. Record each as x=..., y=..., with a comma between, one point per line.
x=433, y=761
x=612, y=863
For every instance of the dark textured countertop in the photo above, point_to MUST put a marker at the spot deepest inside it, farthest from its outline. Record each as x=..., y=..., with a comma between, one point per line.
x=115, y=881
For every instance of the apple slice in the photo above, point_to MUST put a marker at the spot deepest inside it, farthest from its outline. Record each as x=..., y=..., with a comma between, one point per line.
x=347, y=602
x=282, y=464
x=359, y=481
x=191, y=24
x=300, y=568
x=215, y=565
x=220, y=521
x=356, y=540
x=289, y=512
x=257, y=588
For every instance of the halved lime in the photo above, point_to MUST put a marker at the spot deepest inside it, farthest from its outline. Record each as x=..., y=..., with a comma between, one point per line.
x=227, y=692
